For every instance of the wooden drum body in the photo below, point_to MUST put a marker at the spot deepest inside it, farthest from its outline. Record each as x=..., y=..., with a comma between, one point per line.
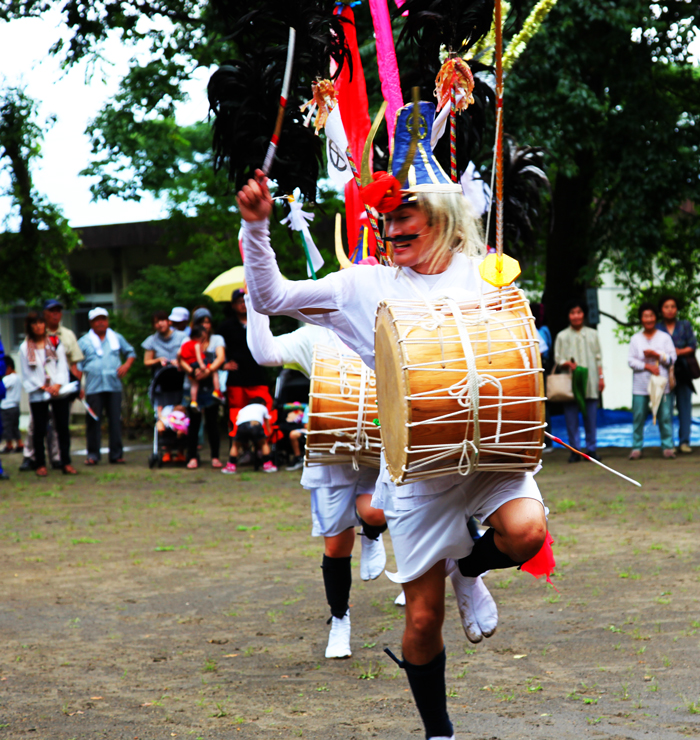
x=342, y=411
x=460, y=386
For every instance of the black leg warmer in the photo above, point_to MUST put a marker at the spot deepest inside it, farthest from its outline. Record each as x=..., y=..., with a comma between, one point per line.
x=337, y=578
x=427, y=683
x=369, y=530
x=485, y=556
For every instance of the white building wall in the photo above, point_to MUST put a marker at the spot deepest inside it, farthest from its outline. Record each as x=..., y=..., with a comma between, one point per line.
x=618, y=375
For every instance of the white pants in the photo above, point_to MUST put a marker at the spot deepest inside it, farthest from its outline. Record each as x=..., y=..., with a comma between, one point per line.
x=437, y=528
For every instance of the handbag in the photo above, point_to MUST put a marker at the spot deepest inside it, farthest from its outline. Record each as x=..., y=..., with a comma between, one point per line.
x=559, y=388
x=693, y=367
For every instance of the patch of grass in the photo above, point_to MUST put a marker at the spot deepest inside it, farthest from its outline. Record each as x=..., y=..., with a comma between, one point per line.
x=565, y=505
x=369, y=645
x=164, y=548
x=84, y=541
x=504, y=583
x=245, y=528
x=210, y=666
x=370, y=671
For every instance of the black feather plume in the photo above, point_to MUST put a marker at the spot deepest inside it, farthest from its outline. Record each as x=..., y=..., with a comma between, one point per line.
x=524, y=182
x=456, y=24
x=244, y=93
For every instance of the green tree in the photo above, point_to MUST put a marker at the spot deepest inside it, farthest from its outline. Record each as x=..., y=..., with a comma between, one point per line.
x=32, y=259
x=609, y=89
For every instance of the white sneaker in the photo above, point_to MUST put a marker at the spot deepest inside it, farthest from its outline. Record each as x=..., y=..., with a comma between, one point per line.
x=400, y=600
x=339, y=638
x=477, y=608
x=372, y=559
x=442, y=737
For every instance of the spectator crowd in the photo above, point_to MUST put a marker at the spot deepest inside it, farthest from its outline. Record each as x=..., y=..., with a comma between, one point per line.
x=197, y=370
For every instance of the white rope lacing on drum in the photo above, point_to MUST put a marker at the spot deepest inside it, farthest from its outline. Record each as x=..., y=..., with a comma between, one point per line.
x=361, y=438
x=424, y=314
x=349, y=415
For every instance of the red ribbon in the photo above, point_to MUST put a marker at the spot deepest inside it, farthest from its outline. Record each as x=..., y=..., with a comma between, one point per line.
x=543, y=563
x=384, y=193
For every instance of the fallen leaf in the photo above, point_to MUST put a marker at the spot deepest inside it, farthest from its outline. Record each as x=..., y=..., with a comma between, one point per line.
x=96, y=698
x=517, y=657
x=147, y=704
x=231, y=655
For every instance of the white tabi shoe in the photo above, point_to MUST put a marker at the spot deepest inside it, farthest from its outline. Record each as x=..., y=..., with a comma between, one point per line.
x=372, y=559
x=477, y=608
x=339, y=638
x=400, y=600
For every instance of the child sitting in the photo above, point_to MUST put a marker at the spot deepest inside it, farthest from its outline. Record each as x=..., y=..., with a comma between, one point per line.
x=253, y=424
x=173, y=418
x=9, y=407
x=191, y=356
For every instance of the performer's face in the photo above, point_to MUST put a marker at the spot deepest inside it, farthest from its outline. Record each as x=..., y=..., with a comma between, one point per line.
x=408, y=228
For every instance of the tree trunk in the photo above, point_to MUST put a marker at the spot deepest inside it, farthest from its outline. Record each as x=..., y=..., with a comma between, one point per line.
x=568, y=244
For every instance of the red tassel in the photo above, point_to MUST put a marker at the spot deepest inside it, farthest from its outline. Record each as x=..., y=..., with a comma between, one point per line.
x=543, y=563
x=384, y=193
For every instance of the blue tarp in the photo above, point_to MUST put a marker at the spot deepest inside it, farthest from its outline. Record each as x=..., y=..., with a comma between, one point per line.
x=615, y=430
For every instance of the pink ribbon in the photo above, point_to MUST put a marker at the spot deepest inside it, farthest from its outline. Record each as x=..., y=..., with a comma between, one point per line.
x=386, y=61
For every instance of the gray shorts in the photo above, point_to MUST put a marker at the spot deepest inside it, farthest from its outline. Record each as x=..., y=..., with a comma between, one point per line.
x=333, y=509
x=437, y=529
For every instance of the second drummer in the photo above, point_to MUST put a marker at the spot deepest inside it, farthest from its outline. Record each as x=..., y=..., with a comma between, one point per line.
x=437, y=248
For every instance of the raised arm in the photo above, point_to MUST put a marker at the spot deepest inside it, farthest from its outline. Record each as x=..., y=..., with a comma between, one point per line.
x=269, y=292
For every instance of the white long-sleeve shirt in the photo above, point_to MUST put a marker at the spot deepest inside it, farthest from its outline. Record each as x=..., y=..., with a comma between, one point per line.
x=298, y=347
x=36, y=376
x=663, y=344
x=352, y=296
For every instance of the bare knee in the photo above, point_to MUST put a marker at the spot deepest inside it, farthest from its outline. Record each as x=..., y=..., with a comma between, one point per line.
x=424, y=621
x=525, y=540
x=368, y=514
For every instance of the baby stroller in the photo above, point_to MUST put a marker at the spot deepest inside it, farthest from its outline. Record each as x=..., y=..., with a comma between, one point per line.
x=165, y=390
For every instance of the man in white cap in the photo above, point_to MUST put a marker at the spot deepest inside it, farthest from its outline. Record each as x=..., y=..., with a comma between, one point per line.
x=103, y=370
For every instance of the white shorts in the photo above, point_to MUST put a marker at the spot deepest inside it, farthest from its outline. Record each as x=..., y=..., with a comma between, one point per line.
x=333, y=508
x=437, y=528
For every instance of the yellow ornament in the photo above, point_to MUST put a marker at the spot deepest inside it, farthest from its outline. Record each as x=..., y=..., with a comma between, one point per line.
x=499, y=271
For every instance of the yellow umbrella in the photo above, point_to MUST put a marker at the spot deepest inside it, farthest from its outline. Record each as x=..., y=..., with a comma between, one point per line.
x=221, y=287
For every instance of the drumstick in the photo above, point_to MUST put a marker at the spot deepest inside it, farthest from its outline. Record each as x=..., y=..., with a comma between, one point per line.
x=272, y=148
x=592, y=459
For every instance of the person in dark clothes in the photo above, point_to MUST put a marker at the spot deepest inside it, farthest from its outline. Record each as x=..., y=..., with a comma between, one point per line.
x=244, y=374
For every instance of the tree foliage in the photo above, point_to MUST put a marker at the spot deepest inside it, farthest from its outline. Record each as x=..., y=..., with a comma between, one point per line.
x=606, y=87
x=609, y=89
x=32, y=259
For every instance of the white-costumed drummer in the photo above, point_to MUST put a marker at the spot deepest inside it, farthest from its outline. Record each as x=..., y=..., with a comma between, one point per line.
x=341, y=496
x=436, y=246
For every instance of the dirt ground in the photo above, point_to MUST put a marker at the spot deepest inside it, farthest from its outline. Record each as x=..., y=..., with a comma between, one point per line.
x=176, y=604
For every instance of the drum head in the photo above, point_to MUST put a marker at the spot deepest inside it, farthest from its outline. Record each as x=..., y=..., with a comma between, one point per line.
x=392, y=391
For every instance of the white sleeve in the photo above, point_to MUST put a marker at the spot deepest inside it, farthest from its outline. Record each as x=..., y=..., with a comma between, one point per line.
x=271, y=351
x=272, y=295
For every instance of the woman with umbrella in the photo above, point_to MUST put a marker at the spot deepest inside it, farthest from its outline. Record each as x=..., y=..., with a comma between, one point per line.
x=650, y=356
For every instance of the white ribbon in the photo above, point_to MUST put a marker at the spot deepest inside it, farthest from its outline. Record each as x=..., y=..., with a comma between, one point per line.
x=297, y=220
